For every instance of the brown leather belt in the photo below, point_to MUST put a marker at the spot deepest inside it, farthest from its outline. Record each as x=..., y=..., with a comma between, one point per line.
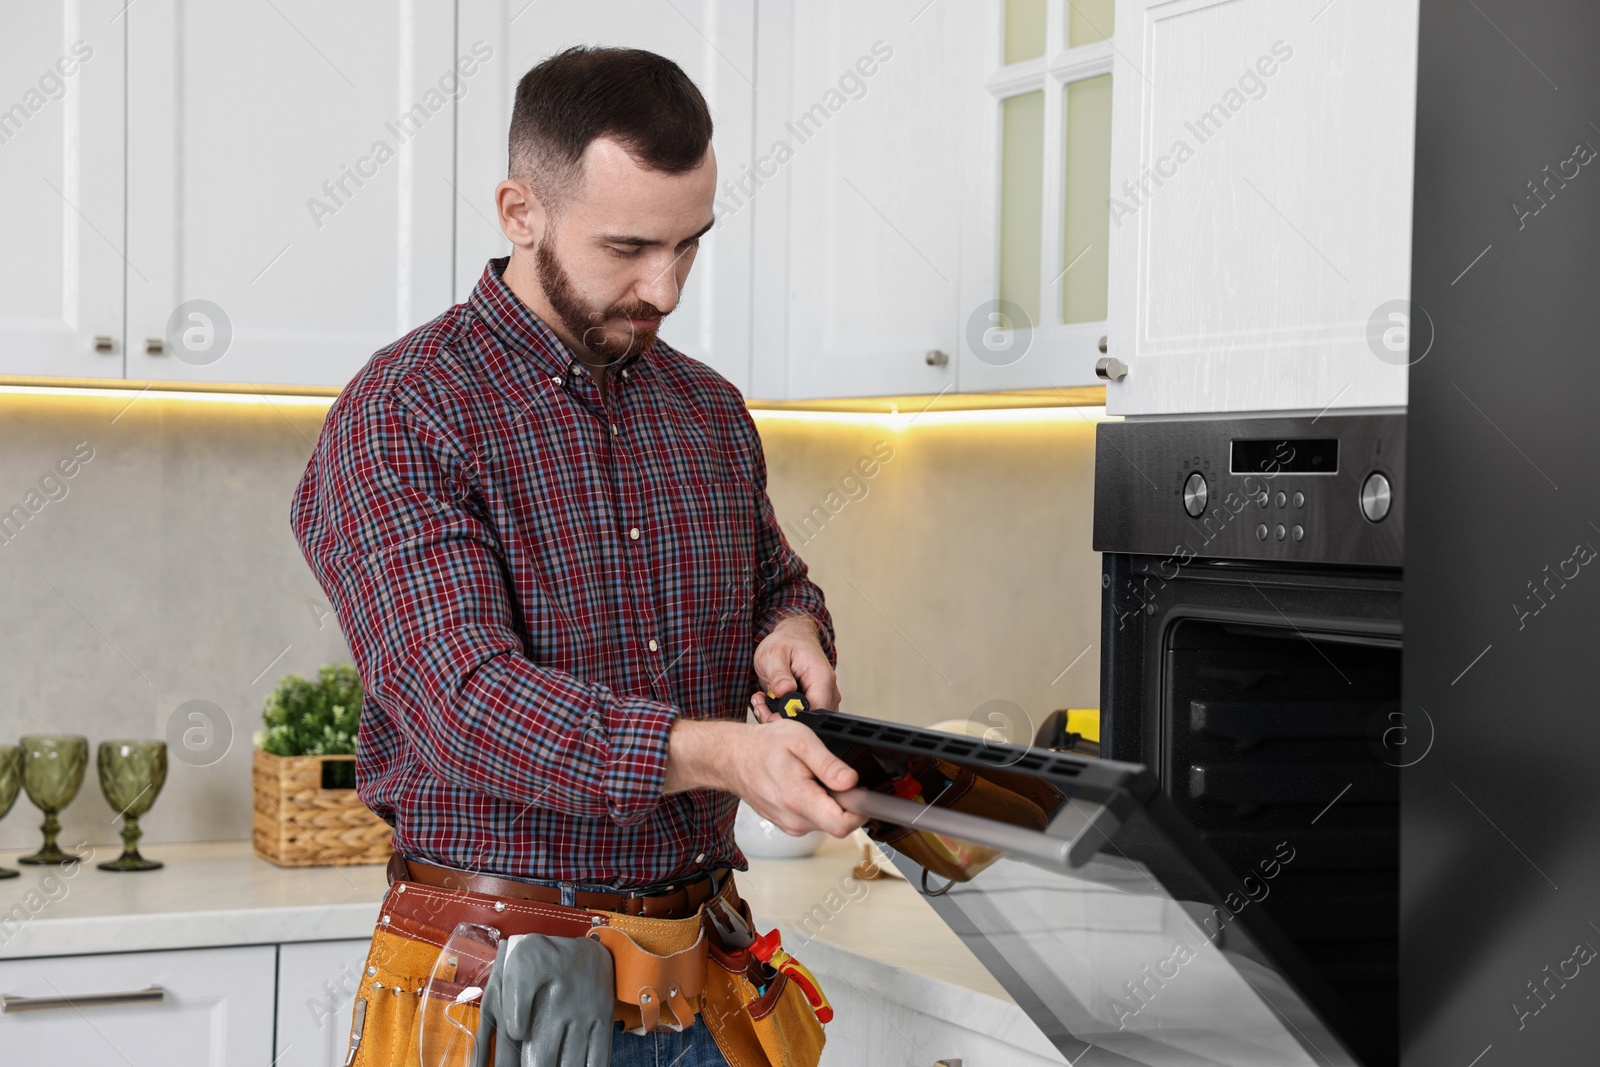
x=677, y=901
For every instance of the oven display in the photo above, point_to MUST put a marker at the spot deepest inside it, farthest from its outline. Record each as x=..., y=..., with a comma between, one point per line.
x=1286, y=456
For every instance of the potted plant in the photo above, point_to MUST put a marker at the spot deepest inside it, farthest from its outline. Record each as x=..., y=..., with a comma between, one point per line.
x=307, y=812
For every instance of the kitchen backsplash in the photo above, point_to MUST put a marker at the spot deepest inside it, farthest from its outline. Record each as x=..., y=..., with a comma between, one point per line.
x=154, y=588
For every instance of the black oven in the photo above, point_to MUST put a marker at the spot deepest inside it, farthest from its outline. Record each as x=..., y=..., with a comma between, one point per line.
x=1251, y=660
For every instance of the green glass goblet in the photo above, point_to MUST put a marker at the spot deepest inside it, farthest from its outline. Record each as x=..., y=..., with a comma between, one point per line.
x=52, y=771
x=131, y=775
x=10, y=785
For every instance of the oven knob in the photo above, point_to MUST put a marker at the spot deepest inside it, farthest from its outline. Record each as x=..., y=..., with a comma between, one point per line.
x=1194, y=495
x=1375, y=497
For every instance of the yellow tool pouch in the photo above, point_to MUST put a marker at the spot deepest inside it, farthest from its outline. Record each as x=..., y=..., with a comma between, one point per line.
x=668, y=971
x=777, y=1027
x=384, y=1024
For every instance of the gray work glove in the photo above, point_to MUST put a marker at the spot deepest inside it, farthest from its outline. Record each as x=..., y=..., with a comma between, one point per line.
x=550, y=1001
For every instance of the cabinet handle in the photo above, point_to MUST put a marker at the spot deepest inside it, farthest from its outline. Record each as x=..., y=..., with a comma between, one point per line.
x=10, y=1003
x=947, y=1063
x=104, y=344
x=1110, y=369
x=937, y=358
x=1102, y=346
x=154, y=346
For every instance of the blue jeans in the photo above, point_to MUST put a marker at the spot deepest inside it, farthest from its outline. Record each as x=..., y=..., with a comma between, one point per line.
x=693, y=1047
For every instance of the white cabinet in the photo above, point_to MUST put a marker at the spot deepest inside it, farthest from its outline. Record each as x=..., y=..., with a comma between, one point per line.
x=216, y=1008
x=289, y=164
x=61, y=142
x=714, y=42
x=866, y=115
x=1261, y=211
x=317, y=985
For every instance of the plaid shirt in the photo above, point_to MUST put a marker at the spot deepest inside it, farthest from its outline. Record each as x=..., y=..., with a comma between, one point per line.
x=534, y=585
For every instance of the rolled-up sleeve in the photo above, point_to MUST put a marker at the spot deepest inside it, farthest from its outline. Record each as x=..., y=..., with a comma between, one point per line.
x=384, y=517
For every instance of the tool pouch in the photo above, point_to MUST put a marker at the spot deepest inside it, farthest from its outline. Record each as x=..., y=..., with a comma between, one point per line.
x=655, y=989
x=758, y=1017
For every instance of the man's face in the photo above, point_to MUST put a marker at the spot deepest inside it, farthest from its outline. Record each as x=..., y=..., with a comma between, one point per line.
x=613, y=262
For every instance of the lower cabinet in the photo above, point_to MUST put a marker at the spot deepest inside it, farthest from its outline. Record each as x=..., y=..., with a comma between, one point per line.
x=317, y=985
x=161, y=1009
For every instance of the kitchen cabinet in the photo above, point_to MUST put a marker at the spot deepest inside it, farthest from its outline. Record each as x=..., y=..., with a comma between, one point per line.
x=1261, y=188
x=283, y=228
x=318, y=982
x=714, y=42
x=61, y=144
x=864, y=120
x=215, y=1007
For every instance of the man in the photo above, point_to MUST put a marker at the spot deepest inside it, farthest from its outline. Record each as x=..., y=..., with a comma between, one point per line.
x=547, y=536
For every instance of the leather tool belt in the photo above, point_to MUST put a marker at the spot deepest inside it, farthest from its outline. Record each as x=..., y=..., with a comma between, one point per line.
x=670, y=963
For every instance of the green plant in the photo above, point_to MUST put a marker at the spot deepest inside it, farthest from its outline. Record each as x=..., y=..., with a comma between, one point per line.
x=306, y=718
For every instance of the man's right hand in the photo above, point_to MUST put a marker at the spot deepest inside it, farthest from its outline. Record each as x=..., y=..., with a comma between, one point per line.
x=779, y=768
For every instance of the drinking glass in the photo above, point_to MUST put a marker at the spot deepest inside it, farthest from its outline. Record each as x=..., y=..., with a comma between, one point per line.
x=10, y=784
x=131, y=775
x=52, y=771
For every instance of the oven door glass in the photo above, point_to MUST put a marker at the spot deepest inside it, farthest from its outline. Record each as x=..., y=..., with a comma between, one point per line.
x=1085, y=893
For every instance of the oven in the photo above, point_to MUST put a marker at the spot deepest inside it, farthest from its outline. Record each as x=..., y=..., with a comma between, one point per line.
x=1251, y=661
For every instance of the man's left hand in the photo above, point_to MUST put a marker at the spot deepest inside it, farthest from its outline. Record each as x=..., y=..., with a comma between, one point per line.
x=790, y=658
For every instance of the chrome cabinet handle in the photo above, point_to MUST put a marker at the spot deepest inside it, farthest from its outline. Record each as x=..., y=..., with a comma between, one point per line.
x=154, y=346
x=10, y=1003
x=937, y=358
x=1110, y=369
x=104, y=344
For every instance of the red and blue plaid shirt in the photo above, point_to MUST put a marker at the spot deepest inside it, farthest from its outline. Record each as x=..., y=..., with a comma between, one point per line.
x=534, y=585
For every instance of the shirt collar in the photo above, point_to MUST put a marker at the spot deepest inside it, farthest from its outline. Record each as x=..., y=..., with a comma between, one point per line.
x=523, y=332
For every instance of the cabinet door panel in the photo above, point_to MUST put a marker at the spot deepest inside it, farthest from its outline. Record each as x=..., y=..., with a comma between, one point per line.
x=863, y=138
x=290, y=163
x=1261, y=184
x=318, y=982
x=217, y=1011
x=714, y=42
x=61, y=181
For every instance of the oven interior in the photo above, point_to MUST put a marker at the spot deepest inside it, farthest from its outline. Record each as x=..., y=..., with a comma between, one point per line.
x=1272, y=743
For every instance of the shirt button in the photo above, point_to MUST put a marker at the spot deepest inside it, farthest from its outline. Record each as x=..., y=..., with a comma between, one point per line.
x=700, y=858
x=624, y=374
x=634, y=533
x=653, y=646
x=556, y=379
x=613, y=429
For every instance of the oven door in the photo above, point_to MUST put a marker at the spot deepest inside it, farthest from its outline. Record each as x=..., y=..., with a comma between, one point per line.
x=1093, y=902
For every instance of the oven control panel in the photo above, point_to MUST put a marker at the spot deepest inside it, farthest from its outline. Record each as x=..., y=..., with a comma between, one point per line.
x=1318, y=490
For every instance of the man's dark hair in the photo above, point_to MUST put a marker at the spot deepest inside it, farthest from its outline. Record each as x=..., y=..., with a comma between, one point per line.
x=642, y=100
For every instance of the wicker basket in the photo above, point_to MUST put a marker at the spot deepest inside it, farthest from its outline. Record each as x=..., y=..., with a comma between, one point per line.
x=298, y=823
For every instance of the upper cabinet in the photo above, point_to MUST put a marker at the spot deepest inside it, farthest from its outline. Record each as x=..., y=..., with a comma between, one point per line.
x=61, y=144
x=1036, y=218
x=289, y=177
x=929, y=194
x=1261, y=205
x=864, y=112
x=714, y=42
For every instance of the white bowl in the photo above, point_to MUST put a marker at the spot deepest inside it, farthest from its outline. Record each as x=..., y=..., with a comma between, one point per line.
x=762, y=838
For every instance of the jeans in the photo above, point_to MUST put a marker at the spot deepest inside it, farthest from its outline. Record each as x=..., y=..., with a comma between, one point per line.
x=693, y=1047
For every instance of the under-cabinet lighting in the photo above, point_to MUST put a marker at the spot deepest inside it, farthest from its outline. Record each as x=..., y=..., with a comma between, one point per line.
x=902, y=420
x=127, y=394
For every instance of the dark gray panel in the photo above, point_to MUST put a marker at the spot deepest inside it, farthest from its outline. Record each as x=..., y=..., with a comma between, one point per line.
x=1268, y=495
x=1501, y=822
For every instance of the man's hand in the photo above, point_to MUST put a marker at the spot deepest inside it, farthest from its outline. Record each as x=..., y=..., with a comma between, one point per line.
x=780, y=768
x=790, y=658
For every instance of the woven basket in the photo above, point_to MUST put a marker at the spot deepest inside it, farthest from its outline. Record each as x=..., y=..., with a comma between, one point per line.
x=297, y=823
